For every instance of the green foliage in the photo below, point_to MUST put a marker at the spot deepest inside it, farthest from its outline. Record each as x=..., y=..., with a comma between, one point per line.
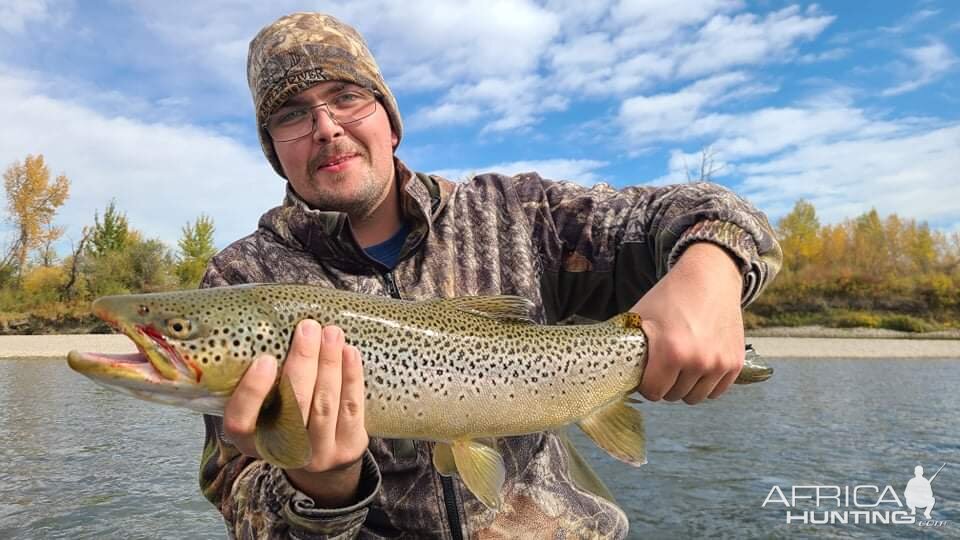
x=855, y=319
x=196, y=250
x=142, y=266
x=905, y=323
x=111, y=235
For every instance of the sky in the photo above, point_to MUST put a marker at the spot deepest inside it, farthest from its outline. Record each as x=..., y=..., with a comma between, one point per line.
x=846, y=106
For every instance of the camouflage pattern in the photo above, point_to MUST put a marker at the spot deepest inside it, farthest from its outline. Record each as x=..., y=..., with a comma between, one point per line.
x=572, y=251
x=300, y=50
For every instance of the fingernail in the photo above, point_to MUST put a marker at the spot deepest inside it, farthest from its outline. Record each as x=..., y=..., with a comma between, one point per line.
x=332, y=334
x=308, y=327
x=262, y=363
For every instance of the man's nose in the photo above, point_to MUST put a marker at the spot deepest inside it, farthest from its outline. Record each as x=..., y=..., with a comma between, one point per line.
x=326, y=128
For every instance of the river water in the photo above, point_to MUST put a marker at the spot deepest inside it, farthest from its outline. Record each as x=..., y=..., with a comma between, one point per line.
x=79, y=461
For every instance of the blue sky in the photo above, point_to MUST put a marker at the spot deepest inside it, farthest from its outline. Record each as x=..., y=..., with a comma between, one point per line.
x=848, y=106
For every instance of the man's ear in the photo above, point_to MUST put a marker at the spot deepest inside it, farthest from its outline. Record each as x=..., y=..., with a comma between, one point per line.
x=394, y=140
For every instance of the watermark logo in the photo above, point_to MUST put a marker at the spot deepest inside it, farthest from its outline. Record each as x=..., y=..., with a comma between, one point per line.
x=860, y=504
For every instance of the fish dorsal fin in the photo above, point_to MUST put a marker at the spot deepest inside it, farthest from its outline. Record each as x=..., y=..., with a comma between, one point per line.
x=481, y=469
x=513, y=308
x=626, y=320
x=281, y=438
x=618, y=429
x=443, y=459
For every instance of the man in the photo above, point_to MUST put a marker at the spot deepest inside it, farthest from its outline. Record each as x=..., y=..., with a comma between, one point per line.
x=686, y=258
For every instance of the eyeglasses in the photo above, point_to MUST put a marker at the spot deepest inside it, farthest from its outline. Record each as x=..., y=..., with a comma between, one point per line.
x=345, y=107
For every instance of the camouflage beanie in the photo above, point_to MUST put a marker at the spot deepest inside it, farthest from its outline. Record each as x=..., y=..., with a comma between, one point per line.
x=301, y=50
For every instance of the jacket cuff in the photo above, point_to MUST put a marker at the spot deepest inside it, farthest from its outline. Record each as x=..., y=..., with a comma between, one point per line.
x=307, y=521
x=738, y=244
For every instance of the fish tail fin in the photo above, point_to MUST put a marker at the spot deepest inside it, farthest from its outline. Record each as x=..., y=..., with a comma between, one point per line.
x=281, y=438
x=618, y=429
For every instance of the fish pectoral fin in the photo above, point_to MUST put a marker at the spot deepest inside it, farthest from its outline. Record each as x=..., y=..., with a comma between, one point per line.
x=513, y=308
x=618, y=429
x=443, y=459
x=281, y=438
x=481, y=469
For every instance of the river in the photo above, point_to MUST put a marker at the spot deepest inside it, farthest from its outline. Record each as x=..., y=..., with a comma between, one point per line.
x=80, y=461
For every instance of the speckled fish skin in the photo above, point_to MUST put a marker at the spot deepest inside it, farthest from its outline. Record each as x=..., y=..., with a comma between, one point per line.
x=456, y=371
x=434, y=370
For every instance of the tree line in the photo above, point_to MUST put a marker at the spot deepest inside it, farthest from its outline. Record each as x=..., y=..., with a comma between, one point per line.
x=868, y=271
x=40, y=290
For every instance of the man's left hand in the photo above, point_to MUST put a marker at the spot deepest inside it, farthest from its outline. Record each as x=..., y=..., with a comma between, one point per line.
x=694, y=327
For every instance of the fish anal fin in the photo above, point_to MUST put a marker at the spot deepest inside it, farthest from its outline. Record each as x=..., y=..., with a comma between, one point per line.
x=281, y=438
x=443, y=459
x=482, y=470
x=513, y=308
x=618, y=429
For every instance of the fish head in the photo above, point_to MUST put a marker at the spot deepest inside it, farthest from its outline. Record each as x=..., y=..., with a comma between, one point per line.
x=193, y=346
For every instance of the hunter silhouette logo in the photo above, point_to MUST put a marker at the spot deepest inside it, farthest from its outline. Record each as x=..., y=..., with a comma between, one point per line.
x=860, y=504
x=919, y=493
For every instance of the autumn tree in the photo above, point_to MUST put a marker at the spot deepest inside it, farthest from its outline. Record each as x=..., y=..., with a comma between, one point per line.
x=799, y=236
x=32, y=201
x=196, y=249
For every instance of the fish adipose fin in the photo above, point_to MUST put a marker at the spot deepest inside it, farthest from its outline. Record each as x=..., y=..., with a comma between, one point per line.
x=618, y=429
x=481, y=469
x=281, y=437
x=443, y=459
x=627, y=320
x=512, y=308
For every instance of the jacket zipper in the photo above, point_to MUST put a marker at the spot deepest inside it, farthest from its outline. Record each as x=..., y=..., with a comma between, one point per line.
x=449, y=494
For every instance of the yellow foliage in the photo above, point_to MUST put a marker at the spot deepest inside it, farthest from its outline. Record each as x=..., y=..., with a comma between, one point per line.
x=42, y=284
x=32, y=202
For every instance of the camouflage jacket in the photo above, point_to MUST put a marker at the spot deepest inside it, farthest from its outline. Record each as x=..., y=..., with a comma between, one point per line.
x=573, y=251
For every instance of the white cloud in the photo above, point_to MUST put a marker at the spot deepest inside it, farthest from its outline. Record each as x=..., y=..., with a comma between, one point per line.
x=669, y=115
x=582, y=171
x=910, y=21
x=454, y=42
x=503, y=104
x=911, y=174
x=726, y=42
x=928, y=63
x=15, y=14
x=825, y=56
x=655, y=21
x=162, y=175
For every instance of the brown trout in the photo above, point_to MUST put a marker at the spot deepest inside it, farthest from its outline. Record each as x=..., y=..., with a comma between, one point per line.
x=457, y=371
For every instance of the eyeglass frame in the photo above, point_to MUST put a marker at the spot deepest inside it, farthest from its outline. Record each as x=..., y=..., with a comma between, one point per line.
x=313, y=117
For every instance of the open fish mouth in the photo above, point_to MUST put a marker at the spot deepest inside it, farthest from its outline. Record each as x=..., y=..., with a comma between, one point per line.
x=156, y=361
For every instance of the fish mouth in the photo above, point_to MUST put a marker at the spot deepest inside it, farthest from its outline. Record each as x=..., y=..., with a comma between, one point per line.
x=156, y=362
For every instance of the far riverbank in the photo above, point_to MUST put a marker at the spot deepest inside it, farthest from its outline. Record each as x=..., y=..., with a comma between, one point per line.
x=864, y=345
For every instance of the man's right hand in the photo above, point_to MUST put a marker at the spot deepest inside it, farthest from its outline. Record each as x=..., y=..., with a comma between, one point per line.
x=327, y=378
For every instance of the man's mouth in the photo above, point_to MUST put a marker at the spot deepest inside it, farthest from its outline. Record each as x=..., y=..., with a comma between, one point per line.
x=336, y=163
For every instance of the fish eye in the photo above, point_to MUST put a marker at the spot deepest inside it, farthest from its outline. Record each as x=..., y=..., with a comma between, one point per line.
x=179, y=328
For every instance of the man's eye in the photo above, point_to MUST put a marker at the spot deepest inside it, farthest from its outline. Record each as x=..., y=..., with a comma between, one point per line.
x=347, y=99
x=290, y=117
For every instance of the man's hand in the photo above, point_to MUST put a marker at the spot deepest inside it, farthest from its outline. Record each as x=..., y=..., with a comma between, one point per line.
x=327, y=378
x=694, y=327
